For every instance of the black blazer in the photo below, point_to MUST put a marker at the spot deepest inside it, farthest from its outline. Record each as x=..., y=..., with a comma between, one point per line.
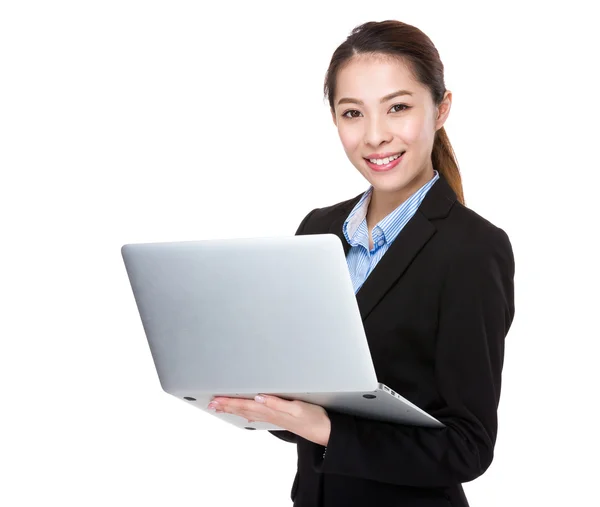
x=436, y=310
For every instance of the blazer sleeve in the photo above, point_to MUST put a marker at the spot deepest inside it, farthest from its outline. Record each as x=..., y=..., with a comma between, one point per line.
x=285, y=435
x=476, y=312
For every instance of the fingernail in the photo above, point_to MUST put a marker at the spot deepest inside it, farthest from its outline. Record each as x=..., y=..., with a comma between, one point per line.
x=260, y=399
x=213, y=405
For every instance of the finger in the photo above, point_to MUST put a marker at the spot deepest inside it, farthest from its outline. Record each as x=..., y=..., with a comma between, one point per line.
x=273, y=402
x=235, y=403
x=236, y=406
x=249, y=416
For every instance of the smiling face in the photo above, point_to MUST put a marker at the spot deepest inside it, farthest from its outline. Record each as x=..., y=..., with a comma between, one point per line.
x=387, y=121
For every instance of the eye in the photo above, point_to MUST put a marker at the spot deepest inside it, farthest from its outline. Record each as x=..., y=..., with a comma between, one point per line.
x=351, y=113
x=395, y=110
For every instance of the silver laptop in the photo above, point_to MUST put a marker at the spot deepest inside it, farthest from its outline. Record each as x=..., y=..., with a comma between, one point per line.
x=239, y=317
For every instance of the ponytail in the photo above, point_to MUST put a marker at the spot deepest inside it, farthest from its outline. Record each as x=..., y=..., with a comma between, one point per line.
x=444, y=161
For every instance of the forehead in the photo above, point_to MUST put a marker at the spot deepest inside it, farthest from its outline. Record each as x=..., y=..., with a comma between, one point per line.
x=370, y=77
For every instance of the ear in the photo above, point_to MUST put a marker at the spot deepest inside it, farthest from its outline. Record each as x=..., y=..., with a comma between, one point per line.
x=333, y=117
x=443, y=110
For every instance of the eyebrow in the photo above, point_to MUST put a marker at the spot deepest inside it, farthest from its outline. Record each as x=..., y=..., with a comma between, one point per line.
x=347, y=100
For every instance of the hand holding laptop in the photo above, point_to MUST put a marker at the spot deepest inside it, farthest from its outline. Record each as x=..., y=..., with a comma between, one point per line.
x=304, y=419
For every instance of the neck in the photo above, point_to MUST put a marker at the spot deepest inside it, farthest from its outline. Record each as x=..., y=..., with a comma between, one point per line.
x=382, y=203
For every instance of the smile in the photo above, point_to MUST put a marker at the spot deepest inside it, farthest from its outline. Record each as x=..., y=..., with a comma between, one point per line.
x=383, y=161
x=386, y=163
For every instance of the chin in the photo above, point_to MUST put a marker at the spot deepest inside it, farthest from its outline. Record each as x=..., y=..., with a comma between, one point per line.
x=391, y=187
x=390, y=182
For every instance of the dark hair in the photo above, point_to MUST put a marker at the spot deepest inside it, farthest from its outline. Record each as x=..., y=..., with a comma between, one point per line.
x=400, y=40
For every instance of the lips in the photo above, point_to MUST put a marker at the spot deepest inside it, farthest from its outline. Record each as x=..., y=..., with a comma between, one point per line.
x=385, y=157
x=386, y=162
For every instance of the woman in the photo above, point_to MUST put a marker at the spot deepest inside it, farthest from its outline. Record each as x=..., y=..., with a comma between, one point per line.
x=434, y=284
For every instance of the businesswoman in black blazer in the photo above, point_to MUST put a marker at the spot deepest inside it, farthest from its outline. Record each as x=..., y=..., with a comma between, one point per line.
x=434, y=284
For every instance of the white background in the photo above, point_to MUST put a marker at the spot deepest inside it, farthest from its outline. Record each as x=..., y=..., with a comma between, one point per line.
x=128, y=121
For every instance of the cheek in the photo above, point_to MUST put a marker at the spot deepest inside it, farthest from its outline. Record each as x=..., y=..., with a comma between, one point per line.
x=350, y=138
x=413, y=131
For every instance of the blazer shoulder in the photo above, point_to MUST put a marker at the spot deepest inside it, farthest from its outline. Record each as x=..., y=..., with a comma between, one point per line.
x=470, y=226
x=469, y=236
x=318, y=217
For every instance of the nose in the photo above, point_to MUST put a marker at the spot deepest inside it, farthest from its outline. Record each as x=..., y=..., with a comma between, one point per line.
x=376, y=132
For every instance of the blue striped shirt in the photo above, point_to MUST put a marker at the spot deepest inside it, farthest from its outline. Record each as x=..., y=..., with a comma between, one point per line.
x=361, y=260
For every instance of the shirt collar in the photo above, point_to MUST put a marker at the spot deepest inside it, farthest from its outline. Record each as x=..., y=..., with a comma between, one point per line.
x=355, y=226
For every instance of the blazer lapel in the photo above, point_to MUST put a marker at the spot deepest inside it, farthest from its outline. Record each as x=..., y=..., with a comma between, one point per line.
x=413, y=237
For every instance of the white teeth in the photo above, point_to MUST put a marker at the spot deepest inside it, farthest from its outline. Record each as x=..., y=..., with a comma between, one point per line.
x=383, y=161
